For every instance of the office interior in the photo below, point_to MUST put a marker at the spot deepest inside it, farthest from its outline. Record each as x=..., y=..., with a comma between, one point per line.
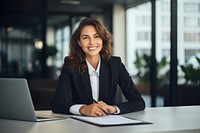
x=157, y=40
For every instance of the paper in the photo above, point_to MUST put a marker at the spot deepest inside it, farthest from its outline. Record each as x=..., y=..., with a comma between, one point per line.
x=109, y=120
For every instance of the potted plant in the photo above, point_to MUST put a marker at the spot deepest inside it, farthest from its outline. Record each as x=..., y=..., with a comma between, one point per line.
x=188, y=93
x=191, y=73
x=142, y=64
x=51, y=54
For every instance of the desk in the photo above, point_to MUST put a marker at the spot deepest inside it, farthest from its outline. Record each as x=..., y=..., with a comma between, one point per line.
x=184, y=119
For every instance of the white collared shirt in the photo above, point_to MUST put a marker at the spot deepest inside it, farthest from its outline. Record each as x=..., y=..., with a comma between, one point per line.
x=94, y=79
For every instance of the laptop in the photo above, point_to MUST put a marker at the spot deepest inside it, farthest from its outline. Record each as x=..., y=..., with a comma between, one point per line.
x=16, y=102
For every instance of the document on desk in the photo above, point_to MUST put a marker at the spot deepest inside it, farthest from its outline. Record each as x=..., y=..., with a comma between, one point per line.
x=110, y=120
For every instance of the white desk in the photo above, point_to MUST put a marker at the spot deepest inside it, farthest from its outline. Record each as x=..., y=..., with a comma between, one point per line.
x=165, y=120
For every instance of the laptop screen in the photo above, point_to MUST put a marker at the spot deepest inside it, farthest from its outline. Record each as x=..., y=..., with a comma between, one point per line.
x=15, y=100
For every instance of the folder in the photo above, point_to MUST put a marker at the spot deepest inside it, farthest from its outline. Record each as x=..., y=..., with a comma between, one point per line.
x=110, y=120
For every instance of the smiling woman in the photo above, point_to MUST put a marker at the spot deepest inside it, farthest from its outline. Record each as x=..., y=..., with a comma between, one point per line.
x=91, y=73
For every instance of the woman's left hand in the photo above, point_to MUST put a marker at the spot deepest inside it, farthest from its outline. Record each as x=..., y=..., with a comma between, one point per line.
x=107, y=108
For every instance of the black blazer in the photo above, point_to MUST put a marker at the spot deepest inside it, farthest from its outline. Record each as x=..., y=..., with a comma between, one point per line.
x=74, y=88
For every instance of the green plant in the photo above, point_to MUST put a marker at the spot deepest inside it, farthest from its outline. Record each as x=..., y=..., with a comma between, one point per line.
x=143, y=63
x=51, y=50
x=191, y=74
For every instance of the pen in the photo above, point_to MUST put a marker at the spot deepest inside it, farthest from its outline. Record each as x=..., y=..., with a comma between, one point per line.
x=95, y=101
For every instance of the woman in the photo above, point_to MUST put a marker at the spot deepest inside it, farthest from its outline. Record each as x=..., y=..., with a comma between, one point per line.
x=91, y=74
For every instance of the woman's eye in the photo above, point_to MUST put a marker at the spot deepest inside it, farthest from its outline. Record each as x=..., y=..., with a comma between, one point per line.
x=96, y=36
x=84, y=38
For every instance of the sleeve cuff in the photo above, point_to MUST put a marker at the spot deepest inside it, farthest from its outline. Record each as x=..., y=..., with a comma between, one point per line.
x=74, y=109
x=118, y=110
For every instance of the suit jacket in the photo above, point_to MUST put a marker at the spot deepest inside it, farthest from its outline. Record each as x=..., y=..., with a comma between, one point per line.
x=74, y=88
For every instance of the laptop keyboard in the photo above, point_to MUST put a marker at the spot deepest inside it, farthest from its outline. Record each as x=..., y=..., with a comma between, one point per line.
x=43, y=117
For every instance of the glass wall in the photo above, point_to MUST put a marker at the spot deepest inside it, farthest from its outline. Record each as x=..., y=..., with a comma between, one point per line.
x=19, y=44
x=189, y=41
x=139, y=46
x=188, y=47
x=58, y=35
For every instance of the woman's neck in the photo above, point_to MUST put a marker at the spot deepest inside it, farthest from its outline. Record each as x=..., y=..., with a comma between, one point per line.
x=93, y=61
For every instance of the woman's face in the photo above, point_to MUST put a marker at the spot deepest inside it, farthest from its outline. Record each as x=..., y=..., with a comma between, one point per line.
x=90, y=41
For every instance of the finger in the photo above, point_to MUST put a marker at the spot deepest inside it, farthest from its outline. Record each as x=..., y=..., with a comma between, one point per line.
x=94, y=115
x=102, y=103
x=99, y=113
x=112, y=109
x=105, y=109
x=102, y=112
x=100, y=108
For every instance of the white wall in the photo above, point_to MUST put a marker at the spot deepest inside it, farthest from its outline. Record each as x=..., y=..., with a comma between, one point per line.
x=119, y=46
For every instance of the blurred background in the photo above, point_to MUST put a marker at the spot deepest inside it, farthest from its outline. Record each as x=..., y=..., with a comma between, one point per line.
x=158, y=41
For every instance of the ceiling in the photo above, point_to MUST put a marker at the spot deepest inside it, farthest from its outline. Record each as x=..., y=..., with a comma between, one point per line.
x=62, y=6
x=15, y=12
x=87, y=5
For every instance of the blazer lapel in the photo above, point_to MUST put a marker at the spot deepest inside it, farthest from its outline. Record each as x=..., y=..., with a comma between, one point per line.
x=103, y=81
x=86, y=85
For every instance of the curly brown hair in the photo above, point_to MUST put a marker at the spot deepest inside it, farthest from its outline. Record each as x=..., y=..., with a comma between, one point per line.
x=77, y=55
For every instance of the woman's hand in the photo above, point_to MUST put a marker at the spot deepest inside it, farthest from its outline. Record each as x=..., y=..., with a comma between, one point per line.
x=108, y=108
x=97, y=109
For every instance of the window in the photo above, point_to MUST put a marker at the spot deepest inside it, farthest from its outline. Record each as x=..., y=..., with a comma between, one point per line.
x=143, y=20
x=144, y=51
x=165, y=6
x=62, y=44
x=166, y=53
x=189, y=53
x=166, y=21
x=139, y=45
x=138, y=32
x=143, y=36
x=165, y=36
x=191, y=22
x=144, y=7
x=199, y=22
x=191, y=7
x=192, y=37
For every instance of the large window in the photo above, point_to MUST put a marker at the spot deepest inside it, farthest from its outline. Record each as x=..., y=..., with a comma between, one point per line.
x=138, y=33
x=62, y=44
x=139, y=45
x=188, y=36
x=139, y=40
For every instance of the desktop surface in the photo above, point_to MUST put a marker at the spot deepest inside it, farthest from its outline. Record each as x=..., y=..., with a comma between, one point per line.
x=183, y=119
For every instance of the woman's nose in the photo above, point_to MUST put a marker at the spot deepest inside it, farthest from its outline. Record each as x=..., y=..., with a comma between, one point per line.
x=92, y=40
